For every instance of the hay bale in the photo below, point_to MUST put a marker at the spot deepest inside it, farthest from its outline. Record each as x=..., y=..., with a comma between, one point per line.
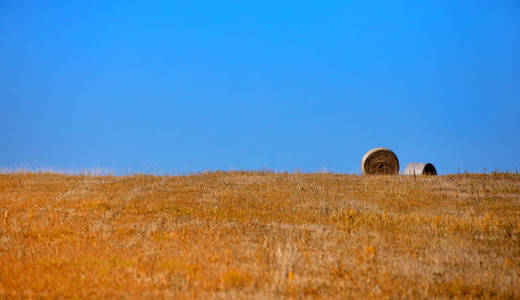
x=420, y=169
x=380, y=161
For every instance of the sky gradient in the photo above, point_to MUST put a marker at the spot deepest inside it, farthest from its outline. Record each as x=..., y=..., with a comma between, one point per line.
x=174, y=87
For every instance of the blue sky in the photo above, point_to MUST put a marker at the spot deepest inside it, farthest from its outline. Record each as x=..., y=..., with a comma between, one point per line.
x=181, y=86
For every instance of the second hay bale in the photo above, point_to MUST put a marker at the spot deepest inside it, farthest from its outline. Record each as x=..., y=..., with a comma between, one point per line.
x=380, y=161
x=420, y=169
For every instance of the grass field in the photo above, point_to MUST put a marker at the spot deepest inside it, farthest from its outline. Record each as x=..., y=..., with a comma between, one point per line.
x=259, y=235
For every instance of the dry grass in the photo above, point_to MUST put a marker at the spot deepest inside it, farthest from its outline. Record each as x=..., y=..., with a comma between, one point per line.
x=259, y=235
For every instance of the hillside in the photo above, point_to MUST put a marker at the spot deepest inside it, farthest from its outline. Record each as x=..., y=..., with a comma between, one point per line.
x=259, y=235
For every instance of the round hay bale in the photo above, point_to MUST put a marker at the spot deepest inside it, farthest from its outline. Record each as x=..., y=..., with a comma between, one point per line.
x=420, y=169
x=380, y=161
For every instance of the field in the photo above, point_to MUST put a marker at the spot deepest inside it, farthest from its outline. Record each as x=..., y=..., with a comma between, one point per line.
x=259, y=235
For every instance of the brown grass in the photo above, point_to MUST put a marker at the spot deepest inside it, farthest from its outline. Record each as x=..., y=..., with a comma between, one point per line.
x=259, y=235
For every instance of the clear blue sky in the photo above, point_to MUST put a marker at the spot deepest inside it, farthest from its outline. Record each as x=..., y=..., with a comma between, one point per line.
x=186, y=86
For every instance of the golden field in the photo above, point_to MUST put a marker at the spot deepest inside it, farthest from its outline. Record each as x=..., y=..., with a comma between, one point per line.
x=259, y=235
